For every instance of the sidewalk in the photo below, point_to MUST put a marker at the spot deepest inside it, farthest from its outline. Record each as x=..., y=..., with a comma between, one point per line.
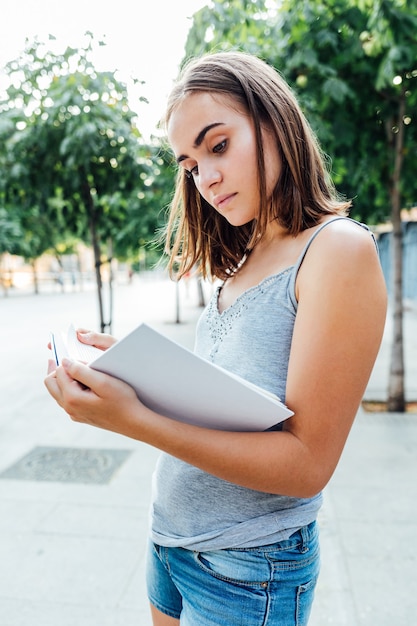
x=73, y=552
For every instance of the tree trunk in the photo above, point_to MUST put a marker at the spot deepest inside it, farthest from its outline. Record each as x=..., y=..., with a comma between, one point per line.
x=80, y=271
x=35, y=276
x=111, y=291
x=91, y=210
x=396, y=394
x=177, y=302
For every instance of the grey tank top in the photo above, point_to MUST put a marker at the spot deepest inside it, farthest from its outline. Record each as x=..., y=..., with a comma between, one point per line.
x=195, y=510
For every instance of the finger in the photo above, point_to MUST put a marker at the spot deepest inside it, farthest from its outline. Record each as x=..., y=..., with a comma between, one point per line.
x=82, y=374
x=53, y=388
x=99, y=384
x=65, y=391
x=51, y=366
x=91, y=338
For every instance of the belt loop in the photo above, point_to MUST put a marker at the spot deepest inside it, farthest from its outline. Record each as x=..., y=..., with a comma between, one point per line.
x=305, y=537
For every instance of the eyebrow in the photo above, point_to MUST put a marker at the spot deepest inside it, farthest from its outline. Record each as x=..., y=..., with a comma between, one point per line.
x=200, y=138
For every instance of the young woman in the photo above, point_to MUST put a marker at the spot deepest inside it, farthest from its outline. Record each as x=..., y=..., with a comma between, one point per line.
x=300, y=311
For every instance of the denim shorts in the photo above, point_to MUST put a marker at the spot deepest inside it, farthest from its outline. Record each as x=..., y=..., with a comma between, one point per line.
x=262, y=586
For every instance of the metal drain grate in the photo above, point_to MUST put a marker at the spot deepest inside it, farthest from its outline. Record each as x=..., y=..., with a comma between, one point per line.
x=67, y=465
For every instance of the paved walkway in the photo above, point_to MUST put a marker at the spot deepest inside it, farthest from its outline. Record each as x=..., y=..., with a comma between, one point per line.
x=73, y=553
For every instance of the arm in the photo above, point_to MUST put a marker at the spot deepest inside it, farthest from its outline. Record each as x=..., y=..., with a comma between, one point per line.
x=337, y=335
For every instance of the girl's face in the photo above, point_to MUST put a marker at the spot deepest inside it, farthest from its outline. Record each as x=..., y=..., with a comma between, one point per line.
x=213, y=139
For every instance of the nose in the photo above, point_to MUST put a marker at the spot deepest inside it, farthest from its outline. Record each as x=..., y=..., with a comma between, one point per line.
x=208, y=175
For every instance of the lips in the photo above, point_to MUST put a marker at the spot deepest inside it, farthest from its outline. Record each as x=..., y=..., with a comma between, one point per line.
x=221, y=201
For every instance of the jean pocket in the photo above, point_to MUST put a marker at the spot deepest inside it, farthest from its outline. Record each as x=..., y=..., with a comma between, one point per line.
x=239, y=567
x=297, y=556
x=305, y=596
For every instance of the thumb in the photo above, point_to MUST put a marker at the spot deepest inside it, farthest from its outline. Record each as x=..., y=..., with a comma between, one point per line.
x=78, y=371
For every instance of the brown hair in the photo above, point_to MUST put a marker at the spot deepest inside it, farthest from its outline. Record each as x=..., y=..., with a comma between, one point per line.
x=196, y=233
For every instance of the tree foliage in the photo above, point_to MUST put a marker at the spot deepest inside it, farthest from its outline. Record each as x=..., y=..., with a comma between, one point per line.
x=73, y=159
x=9, y=232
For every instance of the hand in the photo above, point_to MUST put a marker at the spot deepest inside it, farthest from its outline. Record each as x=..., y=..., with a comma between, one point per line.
x=103, y=341
x=92, y=397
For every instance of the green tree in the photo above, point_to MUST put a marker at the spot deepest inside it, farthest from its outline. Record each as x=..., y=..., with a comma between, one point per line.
x=390, y=42
x=76, y=157
x=27, y=165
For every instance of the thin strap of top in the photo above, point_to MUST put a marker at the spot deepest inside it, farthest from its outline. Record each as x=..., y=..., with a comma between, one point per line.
x=291, y=285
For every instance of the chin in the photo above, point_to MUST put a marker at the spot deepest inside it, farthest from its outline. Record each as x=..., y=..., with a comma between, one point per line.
x=236, y=221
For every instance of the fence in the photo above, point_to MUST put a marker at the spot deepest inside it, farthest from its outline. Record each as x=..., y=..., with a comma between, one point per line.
x=409, y=259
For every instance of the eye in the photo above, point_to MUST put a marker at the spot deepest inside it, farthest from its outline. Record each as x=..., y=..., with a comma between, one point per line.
x=220, y=147
x=192, y=172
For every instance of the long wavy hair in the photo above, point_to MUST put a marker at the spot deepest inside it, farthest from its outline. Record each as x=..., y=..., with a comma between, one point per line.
x=196, y=233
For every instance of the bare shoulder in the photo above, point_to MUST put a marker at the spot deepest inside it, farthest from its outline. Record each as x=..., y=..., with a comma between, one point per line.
x=345, y=235
x=343, y=256
x=342, y=244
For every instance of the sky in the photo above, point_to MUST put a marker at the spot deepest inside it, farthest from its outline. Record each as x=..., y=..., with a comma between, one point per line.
x=144, y=39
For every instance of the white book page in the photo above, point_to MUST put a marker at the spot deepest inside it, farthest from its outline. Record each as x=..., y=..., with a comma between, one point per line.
x=68, y=345
x=80, y=351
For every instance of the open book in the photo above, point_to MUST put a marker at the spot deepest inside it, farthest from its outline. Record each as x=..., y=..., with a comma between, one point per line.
x=175, y=382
